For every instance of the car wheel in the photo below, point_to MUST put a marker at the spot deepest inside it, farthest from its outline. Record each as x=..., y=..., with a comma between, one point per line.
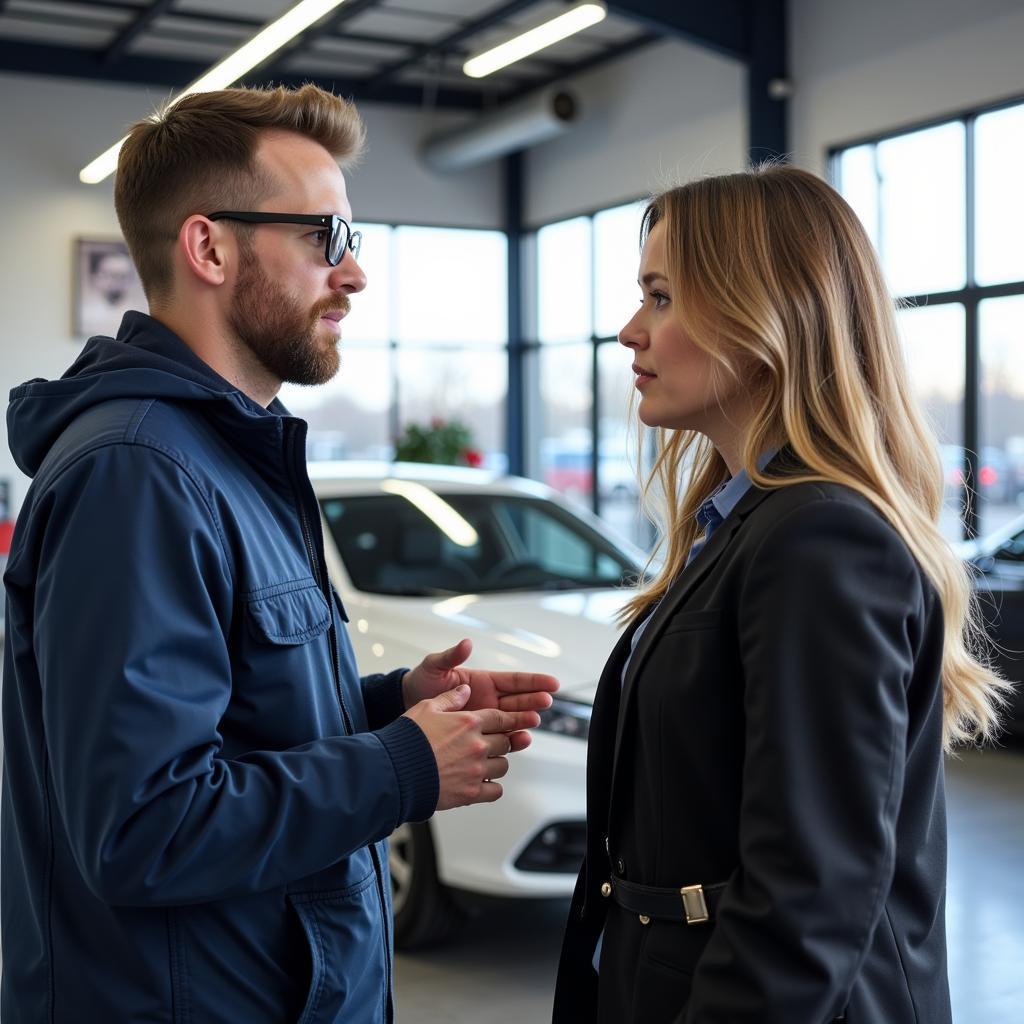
x=424, y=909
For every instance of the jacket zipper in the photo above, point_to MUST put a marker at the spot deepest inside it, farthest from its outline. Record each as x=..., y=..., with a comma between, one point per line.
x=320, y=575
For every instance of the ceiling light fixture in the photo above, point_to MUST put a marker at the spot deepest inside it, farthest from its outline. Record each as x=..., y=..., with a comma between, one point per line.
x=575, y=20
x=268, y=40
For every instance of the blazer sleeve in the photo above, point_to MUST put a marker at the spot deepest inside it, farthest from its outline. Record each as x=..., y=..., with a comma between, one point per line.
x=133, y=605
x=824, y=628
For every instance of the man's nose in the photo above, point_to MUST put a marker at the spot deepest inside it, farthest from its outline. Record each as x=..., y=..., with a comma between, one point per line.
x=347, y=276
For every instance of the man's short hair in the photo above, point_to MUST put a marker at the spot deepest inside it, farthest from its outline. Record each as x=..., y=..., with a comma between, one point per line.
x=198, y=156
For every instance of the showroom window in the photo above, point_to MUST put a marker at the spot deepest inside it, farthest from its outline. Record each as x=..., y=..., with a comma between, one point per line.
x=944, y=207
x=427, y=338
x=579, y=435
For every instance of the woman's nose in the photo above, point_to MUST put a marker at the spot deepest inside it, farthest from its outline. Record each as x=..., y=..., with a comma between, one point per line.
x=631, y=335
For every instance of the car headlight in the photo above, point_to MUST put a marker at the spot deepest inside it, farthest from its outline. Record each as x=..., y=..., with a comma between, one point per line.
x=567, y=718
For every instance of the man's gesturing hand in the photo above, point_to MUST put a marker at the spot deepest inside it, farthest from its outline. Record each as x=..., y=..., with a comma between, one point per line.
x=471, y=747
x=510, y=691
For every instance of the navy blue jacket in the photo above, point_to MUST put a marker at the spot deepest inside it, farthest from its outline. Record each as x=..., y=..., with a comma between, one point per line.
x=197, y=784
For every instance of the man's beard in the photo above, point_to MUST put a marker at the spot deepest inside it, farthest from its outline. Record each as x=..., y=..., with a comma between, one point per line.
x=288, y=343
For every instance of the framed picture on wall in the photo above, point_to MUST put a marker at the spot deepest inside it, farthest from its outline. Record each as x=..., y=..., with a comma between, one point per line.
x=106, y=285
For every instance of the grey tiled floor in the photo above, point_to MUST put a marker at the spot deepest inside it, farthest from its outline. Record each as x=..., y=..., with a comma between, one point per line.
x=985, y=895
x=500, y=969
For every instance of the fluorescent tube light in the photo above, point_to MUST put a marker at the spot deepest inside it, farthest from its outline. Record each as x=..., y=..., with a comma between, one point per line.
x=268, y=40
x=580, y=17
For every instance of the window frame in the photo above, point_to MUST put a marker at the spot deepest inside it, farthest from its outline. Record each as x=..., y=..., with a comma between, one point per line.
x=971, y=295
x=531, y=343
x=391, y=346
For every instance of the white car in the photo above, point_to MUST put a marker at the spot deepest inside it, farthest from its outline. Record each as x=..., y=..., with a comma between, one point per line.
x=426, y=555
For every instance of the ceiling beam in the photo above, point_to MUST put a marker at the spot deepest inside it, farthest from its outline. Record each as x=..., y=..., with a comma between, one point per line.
x=448, y=42
x=751, y=31
x=719, y=25
x=767, y=82
x=133, y=30
x=74, y=62
x=568, y=70
x=323, y=28
x=244, y=23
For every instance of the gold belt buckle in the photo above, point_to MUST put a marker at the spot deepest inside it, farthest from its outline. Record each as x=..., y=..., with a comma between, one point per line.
x=694, y=905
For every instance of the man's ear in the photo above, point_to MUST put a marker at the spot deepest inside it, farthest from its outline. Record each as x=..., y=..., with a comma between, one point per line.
x=206, y=248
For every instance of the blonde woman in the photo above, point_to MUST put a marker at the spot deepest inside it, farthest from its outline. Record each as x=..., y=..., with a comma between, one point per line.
x=766, y=822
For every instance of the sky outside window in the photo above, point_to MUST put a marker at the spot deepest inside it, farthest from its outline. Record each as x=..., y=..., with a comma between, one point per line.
x=999, y=196
x=616, y=262
x=564, y=263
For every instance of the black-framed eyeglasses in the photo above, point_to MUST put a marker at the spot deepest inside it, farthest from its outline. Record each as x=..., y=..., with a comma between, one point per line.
x=340, y=235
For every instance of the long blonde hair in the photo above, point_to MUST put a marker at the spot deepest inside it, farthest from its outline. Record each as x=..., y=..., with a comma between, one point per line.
x=775, y=278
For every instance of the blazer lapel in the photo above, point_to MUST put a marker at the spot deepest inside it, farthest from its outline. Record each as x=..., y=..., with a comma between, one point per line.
x=682, y=587
x=606, y=714
x=603, y=721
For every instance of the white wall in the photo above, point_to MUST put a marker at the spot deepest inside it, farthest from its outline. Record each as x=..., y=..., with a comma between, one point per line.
x=866, y=67
x=648, y=120
x=392, y=184
x=51, y=127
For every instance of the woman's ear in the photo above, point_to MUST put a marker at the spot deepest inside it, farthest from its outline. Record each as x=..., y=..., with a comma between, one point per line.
x=205, y=248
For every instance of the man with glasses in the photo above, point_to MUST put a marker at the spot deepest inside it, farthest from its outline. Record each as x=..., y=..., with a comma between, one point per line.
x=197, y=783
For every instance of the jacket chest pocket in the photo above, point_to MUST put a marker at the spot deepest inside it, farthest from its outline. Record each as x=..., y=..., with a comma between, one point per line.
x=692, y=621
x=287, y=614
x=283, y=686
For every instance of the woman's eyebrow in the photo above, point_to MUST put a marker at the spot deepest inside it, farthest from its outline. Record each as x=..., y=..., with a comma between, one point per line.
x=651, y=276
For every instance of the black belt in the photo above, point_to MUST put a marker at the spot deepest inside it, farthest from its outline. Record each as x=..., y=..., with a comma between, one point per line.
x=692, y=904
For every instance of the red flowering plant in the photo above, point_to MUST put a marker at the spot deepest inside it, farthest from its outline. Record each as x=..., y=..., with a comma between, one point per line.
x=447, y=442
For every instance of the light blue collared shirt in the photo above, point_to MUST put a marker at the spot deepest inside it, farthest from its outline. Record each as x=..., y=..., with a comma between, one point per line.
x=715, y=509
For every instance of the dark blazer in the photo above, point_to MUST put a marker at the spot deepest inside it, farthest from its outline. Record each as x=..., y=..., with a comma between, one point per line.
x=779, y=731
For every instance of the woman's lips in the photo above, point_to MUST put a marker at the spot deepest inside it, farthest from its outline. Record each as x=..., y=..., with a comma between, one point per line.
x=643, y=376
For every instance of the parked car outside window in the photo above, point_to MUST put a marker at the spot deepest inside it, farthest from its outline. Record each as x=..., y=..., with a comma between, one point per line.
x=998, y=563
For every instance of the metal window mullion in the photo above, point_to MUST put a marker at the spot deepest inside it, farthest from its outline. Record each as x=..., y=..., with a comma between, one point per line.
x=595, y=417
x=595, y=468
x=978, y=292
x=878, y=203
x=395, y=411
x=515, y=392
x=970, y=211
x=971, y=415
x=972, y=369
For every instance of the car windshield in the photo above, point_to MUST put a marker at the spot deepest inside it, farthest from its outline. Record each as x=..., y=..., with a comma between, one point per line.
x=469, y=543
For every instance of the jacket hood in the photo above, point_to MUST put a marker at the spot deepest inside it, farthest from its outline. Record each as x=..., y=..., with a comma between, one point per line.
x=145, y=360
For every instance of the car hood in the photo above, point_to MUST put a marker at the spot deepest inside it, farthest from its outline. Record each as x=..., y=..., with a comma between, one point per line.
x=568, y=634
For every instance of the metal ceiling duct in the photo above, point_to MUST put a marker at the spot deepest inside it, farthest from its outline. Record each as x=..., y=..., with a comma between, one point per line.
x=536, y=119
